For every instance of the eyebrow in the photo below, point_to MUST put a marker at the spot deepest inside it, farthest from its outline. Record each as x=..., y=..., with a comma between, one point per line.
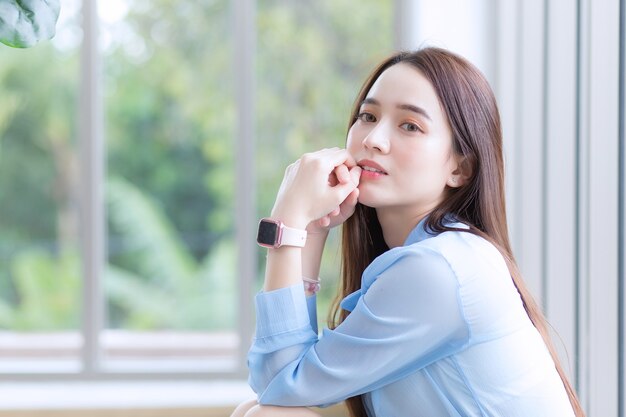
x=409, y=107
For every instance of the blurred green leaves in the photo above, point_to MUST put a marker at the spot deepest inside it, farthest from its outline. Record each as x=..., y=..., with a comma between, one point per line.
x=165, y=288
x=47, y=287
x=170, y=137
x=23, y=23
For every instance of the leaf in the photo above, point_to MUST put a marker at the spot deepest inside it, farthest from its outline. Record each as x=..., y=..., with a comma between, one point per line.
x=48, y=288
x=144, y=306
x=160, y=255
x=23, y=23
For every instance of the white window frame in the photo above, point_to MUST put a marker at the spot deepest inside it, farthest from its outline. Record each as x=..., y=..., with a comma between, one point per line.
x=92, y=153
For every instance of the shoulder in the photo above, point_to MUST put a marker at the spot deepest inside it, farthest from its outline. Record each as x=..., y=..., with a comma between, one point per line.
x=469, y=255
x=491, y=302
x=414, y=269
x=418, y=285
x=460, y=250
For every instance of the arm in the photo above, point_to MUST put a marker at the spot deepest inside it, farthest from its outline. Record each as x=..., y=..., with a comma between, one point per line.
x=311, y=256
x=318, y=184
x=319, y=191
x=311, y=260
x=408, y=316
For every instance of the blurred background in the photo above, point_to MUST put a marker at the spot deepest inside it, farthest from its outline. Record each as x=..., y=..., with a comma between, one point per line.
x=139, y=147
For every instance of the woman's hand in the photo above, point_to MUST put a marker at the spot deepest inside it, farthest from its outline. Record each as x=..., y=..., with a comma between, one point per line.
x=320, y=187
x=346, y=208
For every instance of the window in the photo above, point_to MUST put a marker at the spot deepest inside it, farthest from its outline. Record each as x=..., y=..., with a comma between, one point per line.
x=170, y=279
x=165, y=279
x=40, y=264
x=136, y=258
x=311, y=62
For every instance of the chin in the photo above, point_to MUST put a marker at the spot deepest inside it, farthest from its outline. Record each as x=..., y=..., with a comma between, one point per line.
x=369, y=200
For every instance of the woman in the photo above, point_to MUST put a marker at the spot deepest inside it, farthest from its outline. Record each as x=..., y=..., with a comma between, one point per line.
x=435, y=318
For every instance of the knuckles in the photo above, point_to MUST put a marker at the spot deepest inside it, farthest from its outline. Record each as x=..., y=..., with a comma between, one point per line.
x=313, y=160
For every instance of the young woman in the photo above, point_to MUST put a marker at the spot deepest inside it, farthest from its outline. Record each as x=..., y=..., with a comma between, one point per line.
x=435, y=318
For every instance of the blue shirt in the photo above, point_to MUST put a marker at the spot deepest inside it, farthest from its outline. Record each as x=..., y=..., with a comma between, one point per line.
x=437, y=329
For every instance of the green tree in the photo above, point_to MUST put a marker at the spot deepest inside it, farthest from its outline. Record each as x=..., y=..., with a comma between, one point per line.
x=170, y=123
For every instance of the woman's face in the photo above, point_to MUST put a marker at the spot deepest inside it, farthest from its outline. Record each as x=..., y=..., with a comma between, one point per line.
x=402, y=141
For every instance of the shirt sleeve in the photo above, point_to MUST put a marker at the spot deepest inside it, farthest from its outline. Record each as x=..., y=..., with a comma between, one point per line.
x=408, y=317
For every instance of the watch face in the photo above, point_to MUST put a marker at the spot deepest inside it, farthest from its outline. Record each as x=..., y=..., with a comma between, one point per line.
x=268, y=233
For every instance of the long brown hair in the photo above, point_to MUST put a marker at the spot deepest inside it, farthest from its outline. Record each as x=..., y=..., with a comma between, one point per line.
x=473, y=116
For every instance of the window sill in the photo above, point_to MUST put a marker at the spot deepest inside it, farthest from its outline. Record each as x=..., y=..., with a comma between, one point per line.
x=128, y=399
x=122, y=398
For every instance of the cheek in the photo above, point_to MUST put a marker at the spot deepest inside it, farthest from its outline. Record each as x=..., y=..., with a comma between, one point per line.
x=351, y=141
x=424, y=164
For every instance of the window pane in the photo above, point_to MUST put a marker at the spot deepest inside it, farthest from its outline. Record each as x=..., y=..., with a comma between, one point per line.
x=40, y=283
x=170, y=279
x=312, y=58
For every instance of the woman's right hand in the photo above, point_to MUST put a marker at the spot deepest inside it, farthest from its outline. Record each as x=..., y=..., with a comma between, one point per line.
x=345, y=209
x=319, y=190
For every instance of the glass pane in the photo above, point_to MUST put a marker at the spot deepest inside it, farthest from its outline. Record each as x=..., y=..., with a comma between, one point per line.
x=312, y=58
x=170, y=279
x=40, y=282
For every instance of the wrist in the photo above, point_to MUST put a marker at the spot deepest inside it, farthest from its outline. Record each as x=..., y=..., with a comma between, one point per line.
x=311, y=286
x=290, y=220
x=319, y=235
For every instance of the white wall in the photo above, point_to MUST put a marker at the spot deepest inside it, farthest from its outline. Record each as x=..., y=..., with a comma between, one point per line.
x=555, y=68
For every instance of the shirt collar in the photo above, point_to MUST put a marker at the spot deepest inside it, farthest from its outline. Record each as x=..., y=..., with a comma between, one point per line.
x=423, y=232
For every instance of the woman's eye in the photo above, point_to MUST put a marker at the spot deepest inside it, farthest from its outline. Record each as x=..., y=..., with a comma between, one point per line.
x=410, y=127
x=366, y=117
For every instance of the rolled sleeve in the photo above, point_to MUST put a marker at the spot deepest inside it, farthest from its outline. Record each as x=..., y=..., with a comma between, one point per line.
x=408, y=315
x=281, y=311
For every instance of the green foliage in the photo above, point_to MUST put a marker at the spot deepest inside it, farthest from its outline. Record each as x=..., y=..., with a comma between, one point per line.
x=164, y=287
x=48, y=288
x=23, y=23
x=313, y=56
x=157, y=254
x=170, y=131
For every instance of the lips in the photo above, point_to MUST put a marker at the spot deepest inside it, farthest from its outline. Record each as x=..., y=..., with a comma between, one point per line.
x=371, y=166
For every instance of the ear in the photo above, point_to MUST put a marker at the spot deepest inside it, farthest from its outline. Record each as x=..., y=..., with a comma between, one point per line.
x=461, y=173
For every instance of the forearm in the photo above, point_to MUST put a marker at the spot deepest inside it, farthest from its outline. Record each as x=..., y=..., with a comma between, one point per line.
x=312, y=255
x=322, y=186
x=283, y=268
x=287, y=265
x=284, y=264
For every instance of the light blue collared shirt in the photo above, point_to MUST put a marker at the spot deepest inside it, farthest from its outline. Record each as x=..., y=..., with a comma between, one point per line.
x=437, y=329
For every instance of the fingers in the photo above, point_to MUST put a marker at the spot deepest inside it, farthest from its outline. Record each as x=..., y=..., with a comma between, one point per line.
x=352, y=198
x=332, y=156
x=316, y=185
x=332, y=179
x=342, y=191
x=342, y=174
x=355, y=174
x=347, y=190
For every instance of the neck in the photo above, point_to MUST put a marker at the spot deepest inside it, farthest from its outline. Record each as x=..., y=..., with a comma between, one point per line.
x=397, y=222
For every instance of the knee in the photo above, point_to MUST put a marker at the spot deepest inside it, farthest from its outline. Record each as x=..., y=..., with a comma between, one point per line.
x=243, y=408
x=273, y=411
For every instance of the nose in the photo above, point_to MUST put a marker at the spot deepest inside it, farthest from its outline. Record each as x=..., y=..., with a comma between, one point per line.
x=378, y=138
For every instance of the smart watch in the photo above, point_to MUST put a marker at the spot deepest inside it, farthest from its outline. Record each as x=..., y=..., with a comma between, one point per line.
x=274, y=234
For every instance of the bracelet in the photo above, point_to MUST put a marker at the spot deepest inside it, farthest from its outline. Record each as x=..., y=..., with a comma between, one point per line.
x=311, y=285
